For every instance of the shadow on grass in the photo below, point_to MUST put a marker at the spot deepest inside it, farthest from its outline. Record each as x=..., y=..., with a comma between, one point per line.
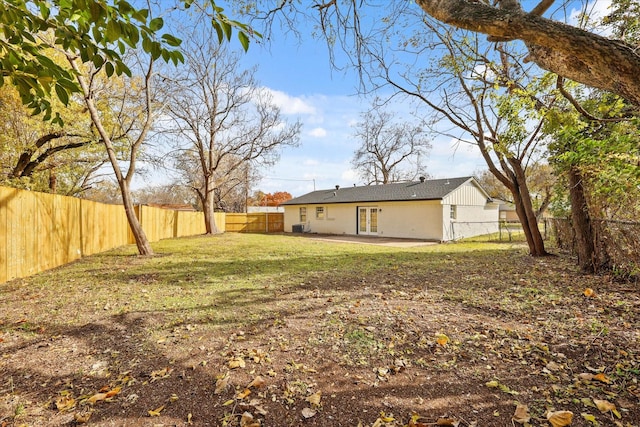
x=191, y=315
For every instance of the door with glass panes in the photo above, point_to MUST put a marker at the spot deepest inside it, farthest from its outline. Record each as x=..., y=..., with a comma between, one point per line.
x=367, y=220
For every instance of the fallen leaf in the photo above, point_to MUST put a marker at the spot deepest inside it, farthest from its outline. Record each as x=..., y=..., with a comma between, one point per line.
x=585, y=376
x=447, y=422
x=160, y=374
x=97, y=398
x=236, y=363
x=606, y=406
x=155, y=412
x=221, y=384
x=589, y=293
x=82, y=417
x=247, y=420
x=113, y=392
x=590, y=418
x=257, y=405
x=314, y=399
x=414, y=421
x=386, y=418
x=521, y=416
x=602, y=378
x=65, y=403
x=257, y=382
x=553, y=366
x=241, y=395
x=308, y=413
x=442, y=339
x=560, y=418
x=492, y=384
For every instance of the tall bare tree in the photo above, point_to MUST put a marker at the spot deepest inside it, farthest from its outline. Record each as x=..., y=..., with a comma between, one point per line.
x=222, y=120
x=390, y=151
x=476, y=93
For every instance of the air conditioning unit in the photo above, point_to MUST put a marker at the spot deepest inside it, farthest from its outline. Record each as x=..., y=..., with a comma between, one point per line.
x=297, y=228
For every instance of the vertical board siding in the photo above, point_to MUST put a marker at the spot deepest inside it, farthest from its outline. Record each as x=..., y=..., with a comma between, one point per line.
x=39, y=231
x=259, y=222
x=468, y=194
x=103, y=227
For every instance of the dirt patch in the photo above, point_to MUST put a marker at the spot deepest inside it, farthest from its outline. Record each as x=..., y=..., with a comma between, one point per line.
x=404, y=343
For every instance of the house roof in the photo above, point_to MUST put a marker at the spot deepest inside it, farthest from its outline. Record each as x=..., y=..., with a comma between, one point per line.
x=433, y=189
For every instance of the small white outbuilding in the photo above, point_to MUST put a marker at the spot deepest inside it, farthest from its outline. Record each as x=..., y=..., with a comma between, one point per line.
x=439, y=209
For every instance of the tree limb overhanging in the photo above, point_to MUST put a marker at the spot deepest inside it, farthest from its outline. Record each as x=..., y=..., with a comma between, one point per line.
x=571, y=52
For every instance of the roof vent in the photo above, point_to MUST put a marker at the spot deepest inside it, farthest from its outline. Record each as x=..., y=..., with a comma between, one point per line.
x=337, y=187
x=335, y=194
x=422, y=178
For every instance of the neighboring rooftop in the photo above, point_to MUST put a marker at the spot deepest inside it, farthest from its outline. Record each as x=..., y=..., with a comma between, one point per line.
x=431, y=189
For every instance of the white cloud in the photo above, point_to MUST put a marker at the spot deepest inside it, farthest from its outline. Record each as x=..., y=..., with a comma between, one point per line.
x=349, y=175
x=595, y=10
x=318, y=132
x=290, y=105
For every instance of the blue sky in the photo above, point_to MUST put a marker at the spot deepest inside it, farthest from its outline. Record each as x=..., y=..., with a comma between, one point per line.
x=305, y=87
x=298, y=74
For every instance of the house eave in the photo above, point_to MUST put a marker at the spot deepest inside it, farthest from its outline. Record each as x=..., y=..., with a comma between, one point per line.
x=328, y=202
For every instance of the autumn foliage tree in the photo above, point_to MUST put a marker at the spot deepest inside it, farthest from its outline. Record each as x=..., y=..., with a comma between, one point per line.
x=274, y=199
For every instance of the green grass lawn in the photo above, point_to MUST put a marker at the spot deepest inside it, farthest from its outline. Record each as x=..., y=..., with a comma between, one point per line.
x=336, y=334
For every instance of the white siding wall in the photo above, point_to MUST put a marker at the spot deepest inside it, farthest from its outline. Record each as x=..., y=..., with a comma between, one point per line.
x=468, y=194
x=474, y=215
x=414, y=220
x=418, y=220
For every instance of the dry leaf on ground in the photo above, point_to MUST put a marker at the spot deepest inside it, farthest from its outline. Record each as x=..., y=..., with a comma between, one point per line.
x=65, y=403
x=308, y=412
x=560, y=418
x=314, y=399
x=521, y=416
x=221, y=384
x=257, y=382
x=155, y=412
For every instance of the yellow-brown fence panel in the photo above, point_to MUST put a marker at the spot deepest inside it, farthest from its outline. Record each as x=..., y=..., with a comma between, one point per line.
x=157, y=223
x=254, y=222
x=39, y=231
x=104, y=227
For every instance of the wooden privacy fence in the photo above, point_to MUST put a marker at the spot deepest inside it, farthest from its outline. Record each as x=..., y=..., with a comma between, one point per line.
x=39, y=231
x=261, y=222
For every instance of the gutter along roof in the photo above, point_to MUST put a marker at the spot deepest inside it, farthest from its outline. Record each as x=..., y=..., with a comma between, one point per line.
x=434, y=189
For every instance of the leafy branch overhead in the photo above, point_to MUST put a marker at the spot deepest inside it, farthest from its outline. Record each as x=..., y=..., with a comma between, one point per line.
x=98, y=32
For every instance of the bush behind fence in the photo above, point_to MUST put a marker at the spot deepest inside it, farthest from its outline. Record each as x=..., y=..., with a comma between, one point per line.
x=617, y=244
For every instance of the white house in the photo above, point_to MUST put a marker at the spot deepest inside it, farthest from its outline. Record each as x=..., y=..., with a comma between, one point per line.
x=439, y=209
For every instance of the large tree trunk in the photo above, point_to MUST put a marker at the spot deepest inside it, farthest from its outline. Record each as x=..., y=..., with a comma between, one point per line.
x=581, y=222
x=527, y=217
x=568, y=51
x=144, y=247
x=529, y=213
x=206, y=198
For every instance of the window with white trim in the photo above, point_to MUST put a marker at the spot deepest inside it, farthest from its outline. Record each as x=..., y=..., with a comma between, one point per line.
x=303, y=214
x=320, y=212
x=453, y=213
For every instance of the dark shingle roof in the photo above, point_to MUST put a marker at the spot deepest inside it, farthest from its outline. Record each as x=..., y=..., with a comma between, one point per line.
x=434, y=189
